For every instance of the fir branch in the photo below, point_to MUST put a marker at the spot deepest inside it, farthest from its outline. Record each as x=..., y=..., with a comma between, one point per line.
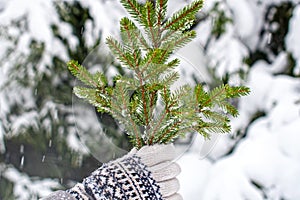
x=146, y=113
x=237, y=91
x=137, y=104
x=98, y=99
x=130, y=33
x=170, y=131
x=161, y=10
x=153, y=98
x=158, y=56
x=134, y=9
x=169, y=78
x=156, y=71
x=119, y=51
x=214, y=116
x=201, y=95
x=100, y=79
x=229, y=109
x=169, y=125
x=211, y=98
x=131, y=83
x=120, y=104
x=182, y=130
x=179, y=40
x=156, y=124
x=169, y=34
x=183, y=19
x=150, y=20
x=216, y=127
x=81, y=73
x=165, y=55
x=217, y=96
x=133, y=101
x=128, y=28
x=151, y=57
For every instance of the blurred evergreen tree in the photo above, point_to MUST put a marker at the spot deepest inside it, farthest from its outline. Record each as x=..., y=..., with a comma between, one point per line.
x=41, y=96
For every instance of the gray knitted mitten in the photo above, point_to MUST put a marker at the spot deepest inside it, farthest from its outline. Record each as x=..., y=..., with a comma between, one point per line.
x=145, y=174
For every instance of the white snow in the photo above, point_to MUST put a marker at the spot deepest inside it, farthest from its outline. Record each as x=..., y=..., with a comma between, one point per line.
x=103, y=12
x=227, y=54
x=293, y=37
x=269, y=155
x=246, y=23
x=194, y=175
x=27, y=187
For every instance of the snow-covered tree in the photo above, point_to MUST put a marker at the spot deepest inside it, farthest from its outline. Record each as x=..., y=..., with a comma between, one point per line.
x=254, y=42
x=39, y=130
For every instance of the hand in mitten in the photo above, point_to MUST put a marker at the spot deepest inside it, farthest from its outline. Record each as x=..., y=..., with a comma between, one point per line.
x=148, y=173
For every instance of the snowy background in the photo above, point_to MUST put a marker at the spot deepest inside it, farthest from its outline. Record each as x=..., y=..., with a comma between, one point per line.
x=251, y=42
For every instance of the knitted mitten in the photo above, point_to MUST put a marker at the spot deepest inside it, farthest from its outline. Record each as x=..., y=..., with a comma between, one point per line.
x=139, y=175
x=59, y=195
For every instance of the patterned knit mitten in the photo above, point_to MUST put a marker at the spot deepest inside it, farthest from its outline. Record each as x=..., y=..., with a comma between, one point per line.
x=147, y=174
